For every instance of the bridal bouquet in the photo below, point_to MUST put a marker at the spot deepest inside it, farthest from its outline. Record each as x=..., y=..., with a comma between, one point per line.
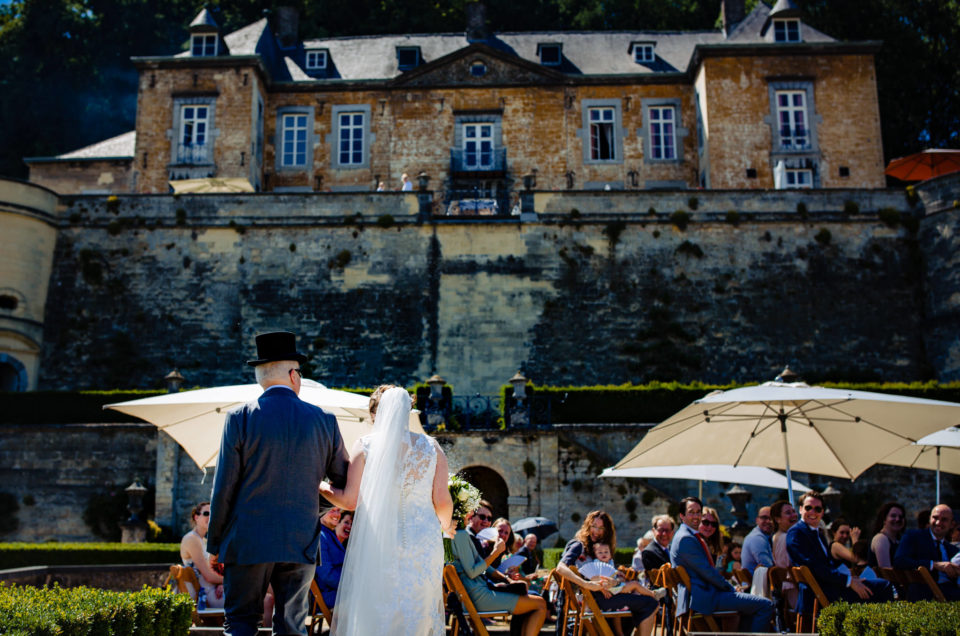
x=465, y=497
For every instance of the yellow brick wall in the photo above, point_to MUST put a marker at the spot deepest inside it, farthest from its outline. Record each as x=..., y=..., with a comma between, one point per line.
x=845, y=97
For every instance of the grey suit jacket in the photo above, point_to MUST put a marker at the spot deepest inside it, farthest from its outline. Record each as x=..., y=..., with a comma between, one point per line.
x=274, y=453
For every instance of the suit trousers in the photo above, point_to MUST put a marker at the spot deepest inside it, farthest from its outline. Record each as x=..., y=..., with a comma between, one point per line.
x=245, y=586
x=756, y=612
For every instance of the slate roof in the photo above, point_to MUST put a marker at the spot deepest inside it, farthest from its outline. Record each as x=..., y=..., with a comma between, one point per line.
x=119, y=147
x=752, y=28
x=205, y=20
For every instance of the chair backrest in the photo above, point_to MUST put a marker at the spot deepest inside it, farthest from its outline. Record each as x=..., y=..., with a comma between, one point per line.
x=319, y=605
x=803, y=575
x=889, y=574
x=743, y=577
x=685, y=581
x=922, y=576
x=453, y=581
x=653, y=577
x=185, y=579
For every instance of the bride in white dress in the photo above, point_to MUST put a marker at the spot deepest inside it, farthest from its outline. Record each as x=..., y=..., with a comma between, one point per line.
x=393, y=571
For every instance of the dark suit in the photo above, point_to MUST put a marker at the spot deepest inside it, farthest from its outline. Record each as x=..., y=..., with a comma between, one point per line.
x=654, y=556
x=264, y=510
x=917, y=549
x=710, y=592
x=806, y=547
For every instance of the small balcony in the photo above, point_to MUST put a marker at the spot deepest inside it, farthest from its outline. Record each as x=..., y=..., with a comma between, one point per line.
x=194, y=154
x=478, y=164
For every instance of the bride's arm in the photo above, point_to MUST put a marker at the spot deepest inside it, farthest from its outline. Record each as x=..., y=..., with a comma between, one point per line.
x=442, y=502
x=346, y=497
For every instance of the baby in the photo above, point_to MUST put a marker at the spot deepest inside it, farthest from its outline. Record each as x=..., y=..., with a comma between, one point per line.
x=601, y=552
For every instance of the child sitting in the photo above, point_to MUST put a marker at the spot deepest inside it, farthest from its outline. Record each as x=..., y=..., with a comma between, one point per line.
x=602, y=554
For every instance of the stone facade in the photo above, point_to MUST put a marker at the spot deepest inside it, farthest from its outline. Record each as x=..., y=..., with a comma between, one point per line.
x=84, y=176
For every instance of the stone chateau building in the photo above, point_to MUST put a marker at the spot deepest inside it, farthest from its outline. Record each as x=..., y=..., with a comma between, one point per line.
x=766, y=101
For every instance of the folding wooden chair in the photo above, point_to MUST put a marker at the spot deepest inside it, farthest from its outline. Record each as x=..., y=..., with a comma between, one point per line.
x=567, y=612
x=803, y=575
x=659, y=578
x=452, y=579
x=743, y=577
x=678, y=576
x=186, y=581
x=921, y=576
x=320, y=612
x=776, y=577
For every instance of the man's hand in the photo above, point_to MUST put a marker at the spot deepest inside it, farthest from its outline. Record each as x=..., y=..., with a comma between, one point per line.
x=947, y=568
x=857, y=586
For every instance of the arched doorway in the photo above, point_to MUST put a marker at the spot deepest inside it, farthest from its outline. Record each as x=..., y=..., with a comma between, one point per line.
x=492, y=488
x=13, y=375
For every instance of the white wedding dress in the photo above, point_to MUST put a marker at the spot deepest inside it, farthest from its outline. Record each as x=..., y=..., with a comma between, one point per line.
x=393, y=571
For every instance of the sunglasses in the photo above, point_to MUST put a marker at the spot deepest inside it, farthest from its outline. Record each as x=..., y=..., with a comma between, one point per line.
x=205, y=513
x=484, y=517
x=299, y=372
x=707, y=522
x=813, y=508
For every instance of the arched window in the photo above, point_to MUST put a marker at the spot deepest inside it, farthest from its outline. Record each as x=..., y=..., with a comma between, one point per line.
x=13, y=375
x=492, y=488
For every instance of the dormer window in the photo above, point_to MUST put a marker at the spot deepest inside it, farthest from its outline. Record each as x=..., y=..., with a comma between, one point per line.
x=643, y=52
x=408, y=57
x=316, y=60
x=203, y=44
x=550, y=54
x=786, y=30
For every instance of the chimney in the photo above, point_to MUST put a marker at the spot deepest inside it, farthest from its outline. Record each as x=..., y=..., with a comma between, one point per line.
x=287, y=26
x=732, y=13
x=476, y=22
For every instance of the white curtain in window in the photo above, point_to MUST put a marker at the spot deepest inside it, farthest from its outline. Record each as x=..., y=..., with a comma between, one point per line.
x=780, y=176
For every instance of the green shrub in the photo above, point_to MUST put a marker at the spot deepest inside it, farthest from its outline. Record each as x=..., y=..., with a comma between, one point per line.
x=385, y=221
x=181, y=216
x=690, y=249
x=733, y=217
x=55, y=611
x=851, y=207
x=680, y=218
x=823, y=236
x=927, y=618
x=22, y=555
x=890, y=216
x=802, y=210
x=693, y=203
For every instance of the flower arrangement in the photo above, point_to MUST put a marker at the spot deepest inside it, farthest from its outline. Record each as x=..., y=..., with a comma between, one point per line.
x=466, y=498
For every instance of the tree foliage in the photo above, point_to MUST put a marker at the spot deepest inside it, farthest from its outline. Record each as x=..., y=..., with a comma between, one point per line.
x=67, y=79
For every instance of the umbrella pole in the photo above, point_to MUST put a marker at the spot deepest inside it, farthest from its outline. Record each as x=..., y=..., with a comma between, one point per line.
x=786, y=455
x=937, y=502
x=700, y=494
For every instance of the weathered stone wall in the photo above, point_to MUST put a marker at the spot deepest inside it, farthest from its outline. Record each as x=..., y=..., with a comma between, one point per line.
x=62, y=466
x=575, y=297
x=845, y=113
x=84, y=177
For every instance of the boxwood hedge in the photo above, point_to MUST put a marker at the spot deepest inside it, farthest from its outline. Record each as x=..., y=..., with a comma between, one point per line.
x=926, y=618
x=21, y=555
x=56, y=611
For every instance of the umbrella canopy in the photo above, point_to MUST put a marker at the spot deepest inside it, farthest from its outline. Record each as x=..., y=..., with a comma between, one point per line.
x=752, y=475
x=939, y=451
x=540, y=526
x=211, y=185
x=924, y=165
x=819, y=430
x=195, y=418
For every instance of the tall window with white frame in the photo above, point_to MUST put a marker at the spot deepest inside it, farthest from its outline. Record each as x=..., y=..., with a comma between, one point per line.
x=478, y=146
x=203, y=44
x=792, y=118
x=193, y=134
x=316, y=60
x=602, y=134
x=798, y=178
x=351, y=139
x=293, y=154
x=663, y=145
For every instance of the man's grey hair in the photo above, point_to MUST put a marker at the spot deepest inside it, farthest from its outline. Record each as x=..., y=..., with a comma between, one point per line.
x=658, y=518
x=273, y=371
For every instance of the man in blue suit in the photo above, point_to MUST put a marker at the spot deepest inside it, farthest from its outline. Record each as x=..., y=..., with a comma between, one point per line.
x=265, y=506
x=931, y=549
x=807, y=545
x=710, y=592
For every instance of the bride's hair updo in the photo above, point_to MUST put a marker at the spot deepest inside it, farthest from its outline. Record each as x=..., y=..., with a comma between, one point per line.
x=375, y=398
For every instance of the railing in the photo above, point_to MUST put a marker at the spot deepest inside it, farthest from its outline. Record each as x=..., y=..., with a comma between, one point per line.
x=484, y=413
x=497, y=161
x=475, y=202
x=193, y=154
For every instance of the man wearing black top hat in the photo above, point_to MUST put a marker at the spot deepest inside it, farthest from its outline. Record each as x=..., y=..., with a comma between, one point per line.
x=264, y=512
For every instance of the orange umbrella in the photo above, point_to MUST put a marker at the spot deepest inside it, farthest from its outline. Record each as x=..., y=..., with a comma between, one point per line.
x=924, y=165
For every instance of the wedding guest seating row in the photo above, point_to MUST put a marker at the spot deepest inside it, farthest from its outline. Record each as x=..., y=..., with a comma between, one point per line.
x=186, y=582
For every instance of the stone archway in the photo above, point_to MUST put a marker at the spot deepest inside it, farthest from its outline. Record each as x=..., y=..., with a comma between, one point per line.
x=492, y=487
x=13, y=375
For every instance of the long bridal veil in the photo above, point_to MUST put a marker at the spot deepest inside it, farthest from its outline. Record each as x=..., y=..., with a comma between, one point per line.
x=366, y=598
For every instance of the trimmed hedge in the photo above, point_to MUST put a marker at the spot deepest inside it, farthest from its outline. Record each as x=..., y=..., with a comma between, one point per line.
x=926, y=618
x=656, y=401
x=69, y=407
x=56, y=611
x=21, y=555
x=551, y=556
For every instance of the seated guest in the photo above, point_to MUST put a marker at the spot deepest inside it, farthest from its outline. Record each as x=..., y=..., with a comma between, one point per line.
x=603, y=554
x=923, y=518
x=471, y=566
x=807, y=545
x=757, y=548
x=505, y=532
x=332, y=553
x=477, y=521
x=193, y=553
x=529, y=552
x=841, y=547
x=887, y=528
x=929, y=548
x=330, y=518
x=657, y=552
x=732, y=555
x=709, y=592
x=710, y=531
x=784, y=516
x=598, y=528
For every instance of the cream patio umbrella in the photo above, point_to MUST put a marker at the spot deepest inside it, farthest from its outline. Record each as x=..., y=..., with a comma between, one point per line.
x=750, y=475
x=939, y=451
x=194, y=419
x=211, y=185
x=791, y=426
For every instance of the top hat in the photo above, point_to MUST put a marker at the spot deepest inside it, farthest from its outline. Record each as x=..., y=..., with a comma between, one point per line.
x=277, y=345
